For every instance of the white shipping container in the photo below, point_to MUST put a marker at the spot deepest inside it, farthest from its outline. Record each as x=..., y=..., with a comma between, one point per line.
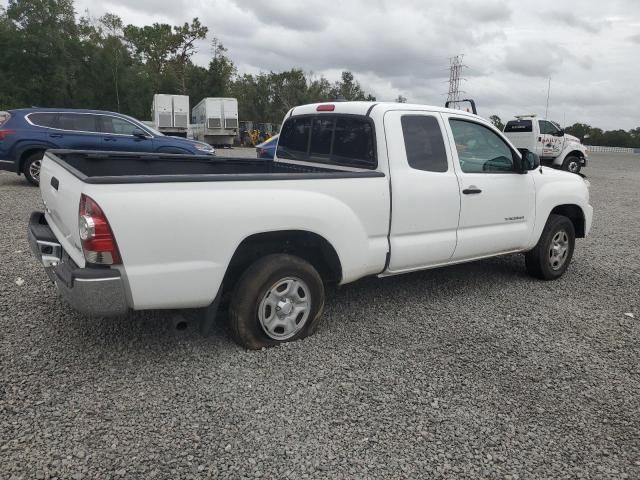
x=215, y=120
x=162, y=110
x=180, y=111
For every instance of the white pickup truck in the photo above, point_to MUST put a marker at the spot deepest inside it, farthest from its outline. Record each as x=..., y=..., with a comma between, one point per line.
x=547, y=140
x=356, y=189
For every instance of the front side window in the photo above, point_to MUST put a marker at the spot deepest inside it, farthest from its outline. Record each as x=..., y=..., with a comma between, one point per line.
x=77, y=122
x=334, y=139
x=423, y=143
x=118, y=125
x=548, y=128
x=43, y=119
x=480, y=150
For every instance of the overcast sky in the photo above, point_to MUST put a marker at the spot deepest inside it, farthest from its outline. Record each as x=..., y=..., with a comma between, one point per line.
x=589, y=48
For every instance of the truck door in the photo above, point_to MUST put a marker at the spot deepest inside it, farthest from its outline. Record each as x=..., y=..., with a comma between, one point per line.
x=551, y=140
x=497, y=202
x=424, y=191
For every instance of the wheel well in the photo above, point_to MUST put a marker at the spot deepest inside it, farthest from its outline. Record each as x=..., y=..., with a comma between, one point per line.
x=575, y=153
x=573, y=213
x=309, y=246
x=26, y=154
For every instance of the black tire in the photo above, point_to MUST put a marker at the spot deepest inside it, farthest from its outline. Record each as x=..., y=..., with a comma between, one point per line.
x=251, y=291
x=572, y=164
x=541, y=262
x=29, y=168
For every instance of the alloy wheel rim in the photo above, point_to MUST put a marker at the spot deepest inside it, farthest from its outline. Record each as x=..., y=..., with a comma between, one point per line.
x=573, y=167
x=34, y=169
x=558, y=250
x=284, y=309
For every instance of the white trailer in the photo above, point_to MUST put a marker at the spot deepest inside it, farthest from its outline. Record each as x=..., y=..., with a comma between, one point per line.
x=215, y=120
x=170, y=114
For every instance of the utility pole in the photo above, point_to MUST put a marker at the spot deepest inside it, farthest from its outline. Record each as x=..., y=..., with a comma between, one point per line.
x=546, y=112
x=455, y=77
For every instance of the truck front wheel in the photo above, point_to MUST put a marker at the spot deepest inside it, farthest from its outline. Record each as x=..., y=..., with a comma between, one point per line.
x=572, y=164
x=278, y=299
x=550, y=258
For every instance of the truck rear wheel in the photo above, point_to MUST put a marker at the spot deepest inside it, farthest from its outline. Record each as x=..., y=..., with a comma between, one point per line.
x=278, y=299
x=572, y=164
x=31, y=168
x=550, y=258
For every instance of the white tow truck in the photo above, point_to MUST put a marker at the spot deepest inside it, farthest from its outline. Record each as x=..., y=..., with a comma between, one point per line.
x=549, y=141
x=356, y=189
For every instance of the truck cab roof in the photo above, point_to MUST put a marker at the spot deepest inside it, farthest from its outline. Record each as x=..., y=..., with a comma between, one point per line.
x=368, y=108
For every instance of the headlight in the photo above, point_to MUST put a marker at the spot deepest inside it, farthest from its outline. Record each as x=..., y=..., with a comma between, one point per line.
x=203, y=147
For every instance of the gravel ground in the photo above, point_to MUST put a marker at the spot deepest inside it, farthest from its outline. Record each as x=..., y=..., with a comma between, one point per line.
x=473, y=371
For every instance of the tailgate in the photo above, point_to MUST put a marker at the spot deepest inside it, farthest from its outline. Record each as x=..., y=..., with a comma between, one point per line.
x=61, y=192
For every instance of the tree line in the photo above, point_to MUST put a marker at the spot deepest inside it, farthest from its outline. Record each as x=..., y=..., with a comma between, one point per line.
x=52, y=58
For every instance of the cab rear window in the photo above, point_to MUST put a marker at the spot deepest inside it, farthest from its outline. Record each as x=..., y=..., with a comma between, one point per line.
x=518, y=126
x=346, y=140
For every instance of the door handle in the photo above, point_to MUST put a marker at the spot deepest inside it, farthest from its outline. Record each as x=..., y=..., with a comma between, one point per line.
x=55, y=135
x=109, y=139
x=471, y=190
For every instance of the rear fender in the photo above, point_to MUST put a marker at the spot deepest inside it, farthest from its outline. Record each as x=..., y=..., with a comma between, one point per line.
x=23, y=149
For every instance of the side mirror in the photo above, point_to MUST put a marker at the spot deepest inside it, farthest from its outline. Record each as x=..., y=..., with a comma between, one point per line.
x=139, y=133
x=530, y=161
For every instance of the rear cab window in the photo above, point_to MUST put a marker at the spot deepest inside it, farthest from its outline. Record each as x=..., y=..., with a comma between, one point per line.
x=334, y=139
x=515, y=126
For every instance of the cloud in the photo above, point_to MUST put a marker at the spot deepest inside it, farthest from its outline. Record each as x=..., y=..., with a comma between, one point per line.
x=404, y=47
x=588, y=25
x=541, y=61
x=297, y=16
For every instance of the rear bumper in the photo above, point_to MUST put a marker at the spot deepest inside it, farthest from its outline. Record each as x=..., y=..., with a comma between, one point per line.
x=92, y=291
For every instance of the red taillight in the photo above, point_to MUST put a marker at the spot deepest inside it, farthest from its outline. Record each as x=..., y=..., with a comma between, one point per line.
x=5, y=133
x=327, y=107
x=98, y=243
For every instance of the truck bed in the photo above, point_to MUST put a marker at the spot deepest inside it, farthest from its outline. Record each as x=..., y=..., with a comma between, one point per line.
x=124, y=167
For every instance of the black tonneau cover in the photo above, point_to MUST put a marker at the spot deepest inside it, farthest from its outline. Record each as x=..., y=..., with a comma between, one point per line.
x=126, y=167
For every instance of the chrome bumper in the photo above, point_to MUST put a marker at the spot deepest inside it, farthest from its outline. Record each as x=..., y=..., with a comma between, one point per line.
x=92, y=291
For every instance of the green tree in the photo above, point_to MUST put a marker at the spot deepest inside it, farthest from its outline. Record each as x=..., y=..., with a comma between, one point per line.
x=186, y=37
x=348, y=88
x=497, y=122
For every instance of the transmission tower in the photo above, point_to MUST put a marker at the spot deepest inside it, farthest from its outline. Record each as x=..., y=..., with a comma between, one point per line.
x=455, y=77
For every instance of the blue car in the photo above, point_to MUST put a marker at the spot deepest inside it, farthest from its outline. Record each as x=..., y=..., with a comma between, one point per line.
x=267, y=149
x=26, y=133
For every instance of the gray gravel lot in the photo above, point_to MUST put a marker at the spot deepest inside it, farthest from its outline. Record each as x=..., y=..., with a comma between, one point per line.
x=473, y=371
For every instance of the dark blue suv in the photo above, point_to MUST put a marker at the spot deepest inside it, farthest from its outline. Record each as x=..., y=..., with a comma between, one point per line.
x=26, y=133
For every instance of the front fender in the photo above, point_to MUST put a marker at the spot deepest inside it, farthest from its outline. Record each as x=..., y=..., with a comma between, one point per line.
x=555, y=188
x=569, y=148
